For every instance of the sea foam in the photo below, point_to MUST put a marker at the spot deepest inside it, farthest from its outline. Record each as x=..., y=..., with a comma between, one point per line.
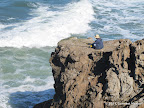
x=26, y=95
x=119, y=19
x=47, y=27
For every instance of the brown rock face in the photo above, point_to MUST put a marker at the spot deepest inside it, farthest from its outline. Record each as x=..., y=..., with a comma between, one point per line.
x=89, y=78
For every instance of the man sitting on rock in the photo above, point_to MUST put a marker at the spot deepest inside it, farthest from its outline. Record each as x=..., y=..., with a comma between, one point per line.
x=98, y=44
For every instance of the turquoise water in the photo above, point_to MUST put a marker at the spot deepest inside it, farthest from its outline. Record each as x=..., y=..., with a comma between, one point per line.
x=31, y=29
x=25, y=76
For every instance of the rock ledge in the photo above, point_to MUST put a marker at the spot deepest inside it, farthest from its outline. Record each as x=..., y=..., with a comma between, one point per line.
x=89, y=78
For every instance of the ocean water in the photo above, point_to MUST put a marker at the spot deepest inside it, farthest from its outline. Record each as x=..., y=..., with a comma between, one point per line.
x=31, y=29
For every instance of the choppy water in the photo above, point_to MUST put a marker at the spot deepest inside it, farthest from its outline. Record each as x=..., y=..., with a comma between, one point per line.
x=25, y=77
x=30, y=30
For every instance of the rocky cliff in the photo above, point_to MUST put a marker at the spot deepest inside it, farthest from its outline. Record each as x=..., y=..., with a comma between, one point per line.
x=89, y=78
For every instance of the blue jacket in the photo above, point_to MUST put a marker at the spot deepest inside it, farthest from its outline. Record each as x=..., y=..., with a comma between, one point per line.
x=98, y=44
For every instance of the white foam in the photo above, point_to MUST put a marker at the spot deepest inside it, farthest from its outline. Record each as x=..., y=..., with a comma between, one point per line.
x=49, y=27
x=3, y=26
x=28, y=79
x=11, y=18
x=119, y=19
x=26, y=93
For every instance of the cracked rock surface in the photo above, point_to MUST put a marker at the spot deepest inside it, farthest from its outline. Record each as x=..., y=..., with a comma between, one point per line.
x=89, y=78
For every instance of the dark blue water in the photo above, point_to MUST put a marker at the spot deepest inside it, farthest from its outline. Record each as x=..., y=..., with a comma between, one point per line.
x=20, y=9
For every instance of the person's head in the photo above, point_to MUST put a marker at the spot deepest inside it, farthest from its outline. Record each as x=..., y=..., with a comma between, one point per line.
x=97, y=36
